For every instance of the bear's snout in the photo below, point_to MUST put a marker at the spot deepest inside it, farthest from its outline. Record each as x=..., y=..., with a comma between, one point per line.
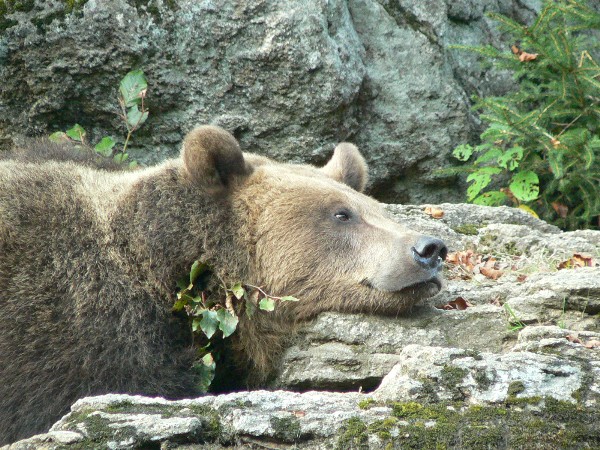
x=429, y=252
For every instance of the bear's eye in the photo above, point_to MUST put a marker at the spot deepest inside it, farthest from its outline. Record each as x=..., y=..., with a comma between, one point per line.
x=342, y=216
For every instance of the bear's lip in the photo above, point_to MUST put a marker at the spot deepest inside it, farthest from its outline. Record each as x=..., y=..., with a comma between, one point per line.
x=434, y=280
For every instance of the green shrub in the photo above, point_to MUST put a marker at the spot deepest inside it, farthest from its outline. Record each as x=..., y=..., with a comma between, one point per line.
x=541, y=147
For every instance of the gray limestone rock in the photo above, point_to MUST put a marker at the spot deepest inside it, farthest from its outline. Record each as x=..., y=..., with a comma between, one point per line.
x=289, y=79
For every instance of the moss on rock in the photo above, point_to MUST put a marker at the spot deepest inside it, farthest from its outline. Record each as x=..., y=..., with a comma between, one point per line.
x=548, y=424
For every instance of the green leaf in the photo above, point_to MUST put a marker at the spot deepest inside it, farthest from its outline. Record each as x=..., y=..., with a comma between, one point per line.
x=238, y=290
x=182, y=283
x=480, y=179
x=198, y=268
x=205, y=370
x=250, y=308
x=135, y=117
x=77, y=133
x=491, y=198
x=463, y=152
x=131, y=88
x=59, y=137
x=267, y=304
x=288, y=298
x=490, y=155
x=120, y=158
x=210, y=322
x=105, y=146
x=179, y=305
x=133, y=164
x=511, y=158
x=525, y=186
x=227, y=322
x=184, y=295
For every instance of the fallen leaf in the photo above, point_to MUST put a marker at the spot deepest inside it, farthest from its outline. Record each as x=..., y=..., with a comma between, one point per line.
x=528, y=210
x=555, y=142
x=459, y=303
x=561, y=210
x=573, y=338
x=299, y=413
x=489, y=269
x=594, y=343
x=521, y=278
x=434, y=212
x=577, y=260
x=469, y=263
x=516, y=50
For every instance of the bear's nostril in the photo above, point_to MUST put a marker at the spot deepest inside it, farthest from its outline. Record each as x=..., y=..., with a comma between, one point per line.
x=429, y=252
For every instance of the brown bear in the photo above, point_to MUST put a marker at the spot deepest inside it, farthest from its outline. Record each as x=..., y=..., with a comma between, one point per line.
x=89, y=260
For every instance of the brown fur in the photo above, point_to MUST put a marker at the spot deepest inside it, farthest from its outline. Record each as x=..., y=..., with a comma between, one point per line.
x=89, y=260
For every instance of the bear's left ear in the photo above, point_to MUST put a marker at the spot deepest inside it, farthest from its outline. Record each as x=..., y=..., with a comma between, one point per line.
x=348, y=166
x=212, y=156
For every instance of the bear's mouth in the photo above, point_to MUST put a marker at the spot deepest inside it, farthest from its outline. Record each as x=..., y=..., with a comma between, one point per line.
x=432, y=283
x=436, y=281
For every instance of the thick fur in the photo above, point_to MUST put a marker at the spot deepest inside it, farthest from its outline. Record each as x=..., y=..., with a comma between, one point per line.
x=89, y=261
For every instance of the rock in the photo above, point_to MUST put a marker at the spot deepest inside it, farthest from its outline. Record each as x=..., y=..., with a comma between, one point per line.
x=290, y=80
x=351, y=352
x=445, y=374
x=318, y=420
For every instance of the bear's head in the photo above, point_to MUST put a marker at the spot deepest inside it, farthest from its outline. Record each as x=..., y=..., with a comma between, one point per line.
x=310, y=232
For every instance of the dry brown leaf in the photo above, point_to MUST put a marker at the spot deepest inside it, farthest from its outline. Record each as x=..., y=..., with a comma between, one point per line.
x=555, y=142
x=526, y=57
x=573, y=338
x=577, y=260
x=594, y=343
x=561, y=210
x=459, y=303
x=299, y=413
x=521, y=278
x=489, y=269
x=471, y=263
x=434, y=212
x=523, y=56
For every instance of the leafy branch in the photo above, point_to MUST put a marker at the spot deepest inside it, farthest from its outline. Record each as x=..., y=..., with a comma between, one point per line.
x=133, y=89
x=210, y=313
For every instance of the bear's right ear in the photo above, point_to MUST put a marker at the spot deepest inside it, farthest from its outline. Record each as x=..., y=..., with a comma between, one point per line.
x=348, y=166
x=212, y=156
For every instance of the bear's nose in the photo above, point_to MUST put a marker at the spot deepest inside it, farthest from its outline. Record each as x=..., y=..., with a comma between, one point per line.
x=429, y=252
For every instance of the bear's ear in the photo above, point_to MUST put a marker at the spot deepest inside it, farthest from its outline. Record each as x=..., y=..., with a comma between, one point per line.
x=212, y=156
x=348, y=166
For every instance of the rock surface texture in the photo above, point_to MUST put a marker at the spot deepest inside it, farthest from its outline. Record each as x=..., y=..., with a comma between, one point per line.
x=289, y=79
x=518, y=368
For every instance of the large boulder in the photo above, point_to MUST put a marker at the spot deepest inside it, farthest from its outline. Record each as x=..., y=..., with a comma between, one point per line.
x=289, y=79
